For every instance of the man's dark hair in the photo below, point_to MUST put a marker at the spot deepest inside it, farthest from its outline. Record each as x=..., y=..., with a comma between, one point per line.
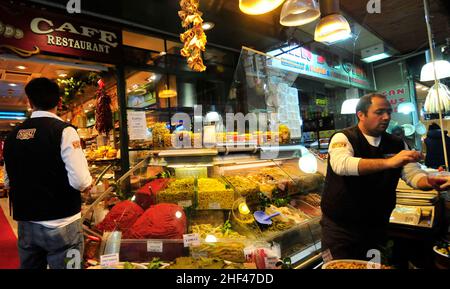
x=43, y=93
x=366, y=101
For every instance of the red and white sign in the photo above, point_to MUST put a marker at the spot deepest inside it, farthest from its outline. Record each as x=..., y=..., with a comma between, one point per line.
x=27, y=31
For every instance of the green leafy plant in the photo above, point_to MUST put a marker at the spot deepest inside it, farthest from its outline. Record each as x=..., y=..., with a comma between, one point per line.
x=154, y=264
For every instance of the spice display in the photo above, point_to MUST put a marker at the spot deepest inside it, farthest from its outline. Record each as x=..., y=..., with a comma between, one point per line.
x=230, y=251
x=159, y=132
x=162, y=221
x=146, y=196
x=121, y=217
x=194, y=38
x=245, y=187
x=202, y=263
x=220, y=232
x=312, y=199
x=178, y=190
x=285, y=134
x=288, y=214
x=212, y=194
x=103, y=111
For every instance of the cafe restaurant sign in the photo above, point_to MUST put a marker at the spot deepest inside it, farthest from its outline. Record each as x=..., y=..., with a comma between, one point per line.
x=27, y=31
x=323, y=65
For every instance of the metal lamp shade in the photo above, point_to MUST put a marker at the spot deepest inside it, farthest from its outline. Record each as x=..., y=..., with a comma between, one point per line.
x=332, y=28
x=442, y=70
x=257, y=7
x=299, y=12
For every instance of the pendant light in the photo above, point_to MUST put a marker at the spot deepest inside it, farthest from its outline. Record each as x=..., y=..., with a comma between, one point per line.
x=167, y=93
x=349, y=106
x=299, y=12
x=333, y=27
x=442, y=70
x=257, y=7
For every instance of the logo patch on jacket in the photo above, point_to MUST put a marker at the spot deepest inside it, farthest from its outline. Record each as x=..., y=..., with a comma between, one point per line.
x=25, y=134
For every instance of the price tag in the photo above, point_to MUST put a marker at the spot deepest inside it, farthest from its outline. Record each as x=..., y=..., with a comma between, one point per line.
x=155, y=246
x=185, y=204
x=191, y=240
x=108, y=260
x=214, y=206
x=248, y=253
x=271, y=262
x=276, y=248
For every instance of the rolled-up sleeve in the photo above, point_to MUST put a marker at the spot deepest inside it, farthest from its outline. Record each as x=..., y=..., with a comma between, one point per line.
x=342, y=158
x=412, y=172
x=75, y=160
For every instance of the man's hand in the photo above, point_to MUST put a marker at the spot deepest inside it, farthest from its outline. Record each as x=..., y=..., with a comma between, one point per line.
x=403, y=158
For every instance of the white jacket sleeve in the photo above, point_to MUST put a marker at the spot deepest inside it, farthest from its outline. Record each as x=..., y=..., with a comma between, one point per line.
x=75, y=160
x=342, y=158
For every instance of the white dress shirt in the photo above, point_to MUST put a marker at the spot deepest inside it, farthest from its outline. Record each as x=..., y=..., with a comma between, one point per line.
x=344, y=163
x=75, y=163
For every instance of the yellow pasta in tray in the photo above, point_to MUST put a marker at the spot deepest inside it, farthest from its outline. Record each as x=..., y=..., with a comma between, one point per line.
x=213, y=194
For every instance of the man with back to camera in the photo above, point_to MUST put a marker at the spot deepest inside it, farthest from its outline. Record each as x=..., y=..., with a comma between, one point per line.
x=364, y=166
x=46, y=170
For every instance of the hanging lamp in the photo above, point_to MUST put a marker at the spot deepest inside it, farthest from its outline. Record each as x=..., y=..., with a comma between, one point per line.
x=442, y=68
x=167, y=93
x=349, y=106
x=333, y=27
x=299, y=12
x=257, y=7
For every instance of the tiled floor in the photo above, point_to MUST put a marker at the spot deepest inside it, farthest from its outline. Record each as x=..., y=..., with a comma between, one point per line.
x=4, y=204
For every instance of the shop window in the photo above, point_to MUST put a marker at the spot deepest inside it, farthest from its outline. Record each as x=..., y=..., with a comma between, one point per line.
x=143, y=41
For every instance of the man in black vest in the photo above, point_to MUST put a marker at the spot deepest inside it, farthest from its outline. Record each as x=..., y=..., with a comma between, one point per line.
x=364, y=167
x=46, y=169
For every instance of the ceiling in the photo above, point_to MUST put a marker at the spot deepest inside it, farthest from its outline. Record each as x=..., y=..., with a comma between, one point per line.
x=401, y=23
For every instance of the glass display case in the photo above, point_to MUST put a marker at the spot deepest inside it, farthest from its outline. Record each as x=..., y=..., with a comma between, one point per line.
x=210, y=197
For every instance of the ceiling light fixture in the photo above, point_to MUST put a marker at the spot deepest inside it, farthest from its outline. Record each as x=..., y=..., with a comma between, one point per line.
x=442, y=70
x=257, y=7
x=167, y=93
x=375, y=53
x=299, y=12
x=333, y=27
x=21, y=67
x=349, y=106
x=12, y=84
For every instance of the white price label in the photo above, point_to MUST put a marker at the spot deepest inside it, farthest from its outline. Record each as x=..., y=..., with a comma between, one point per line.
x=214, y=206
x=155, y=246
x=191, y=240
x=185, y=204
x=108, y=260
x=271, y=262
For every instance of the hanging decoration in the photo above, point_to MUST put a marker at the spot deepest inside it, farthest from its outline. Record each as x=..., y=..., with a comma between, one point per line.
x=194, y=38
x=103, y=111
x=438, y=97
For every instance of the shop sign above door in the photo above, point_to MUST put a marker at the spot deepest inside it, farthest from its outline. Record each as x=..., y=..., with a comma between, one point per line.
x=27, y=31
x=321, y=65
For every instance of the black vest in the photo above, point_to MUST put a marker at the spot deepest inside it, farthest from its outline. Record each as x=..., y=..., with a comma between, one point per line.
x=363, y=200
x=39, y=185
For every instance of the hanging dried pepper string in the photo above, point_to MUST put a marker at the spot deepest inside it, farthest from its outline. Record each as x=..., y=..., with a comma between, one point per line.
x=194, y=38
